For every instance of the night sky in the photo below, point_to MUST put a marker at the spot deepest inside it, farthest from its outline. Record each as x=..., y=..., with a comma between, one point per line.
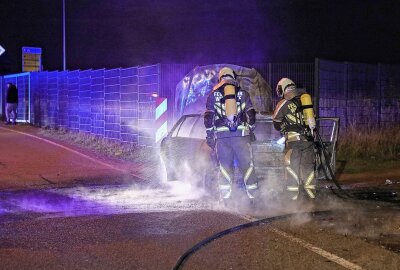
x=123, y=33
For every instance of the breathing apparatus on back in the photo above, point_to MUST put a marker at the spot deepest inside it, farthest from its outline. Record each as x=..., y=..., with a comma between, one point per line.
x=308, y=111
x=285, y=87
x=229, y=93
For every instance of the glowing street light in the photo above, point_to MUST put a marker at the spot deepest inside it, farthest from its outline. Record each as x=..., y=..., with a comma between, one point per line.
x=2, y=50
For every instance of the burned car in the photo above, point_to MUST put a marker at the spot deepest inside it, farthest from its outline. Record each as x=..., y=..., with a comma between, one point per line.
x=187, y=157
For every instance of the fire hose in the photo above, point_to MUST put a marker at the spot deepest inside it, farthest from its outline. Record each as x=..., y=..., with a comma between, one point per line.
x=182, y=259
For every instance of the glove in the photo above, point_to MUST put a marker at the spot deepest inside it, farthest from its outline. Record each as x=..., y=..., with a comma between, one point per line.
x=210, y=142
x=232, y=125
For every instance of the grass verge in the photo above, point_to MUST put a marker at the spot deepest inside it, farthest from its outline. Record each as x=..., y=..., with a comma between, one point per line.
x=359, y=150
x=369, y=148
x=109, y=148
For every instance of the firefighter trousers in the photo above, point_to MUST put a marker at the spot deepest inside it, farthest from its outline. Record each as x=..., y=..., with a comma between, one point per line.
x=300, y=171
x=228, y=149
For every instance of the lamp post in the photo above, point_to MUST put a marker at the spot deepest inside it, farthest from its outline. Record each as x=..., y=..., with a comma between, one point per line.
x=64, y=48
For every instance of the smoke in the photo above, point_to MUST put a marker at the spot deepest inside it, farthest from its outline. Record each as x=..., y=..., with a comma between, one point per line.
x=360, y=218
x=182, y=173
x=144, y=129
x=105, y=200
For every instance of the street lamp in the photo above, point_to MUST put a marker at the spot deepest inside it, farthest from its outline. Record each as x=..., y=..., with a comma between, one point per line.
x=2, y=50
x=64, y=48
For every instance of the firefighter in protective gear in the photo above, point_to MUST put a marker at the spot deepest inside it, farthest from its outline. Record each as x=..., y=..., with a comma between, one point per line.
x=229, y=120
x=294, y=118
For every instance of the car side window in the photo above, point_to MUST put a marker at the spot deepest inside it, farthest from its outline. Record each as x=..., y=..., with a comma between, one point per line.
x=185, y=127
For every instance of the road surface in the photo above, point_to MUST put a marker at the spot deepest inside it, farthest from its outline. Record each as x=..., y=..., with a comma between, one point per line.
x=64, y=207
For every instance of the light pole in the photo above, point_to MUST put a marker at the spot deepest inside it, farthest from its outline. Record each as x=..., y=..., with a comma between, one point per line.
x=64, y=48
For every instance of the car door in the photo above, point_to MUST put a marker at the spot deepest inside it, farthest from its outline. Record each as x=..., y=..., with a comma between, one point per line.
x=326, y=142
x=181, y=148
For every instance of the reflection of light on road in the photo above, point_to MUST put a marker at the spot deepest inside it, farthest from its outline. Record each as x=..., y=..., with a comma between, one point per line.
x=46, y=201
x=103, y=200
x=129, y=197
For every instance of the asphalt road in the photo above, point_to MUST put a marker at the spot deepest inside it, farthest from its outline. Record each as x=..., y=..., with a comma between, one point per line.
x=97, y=214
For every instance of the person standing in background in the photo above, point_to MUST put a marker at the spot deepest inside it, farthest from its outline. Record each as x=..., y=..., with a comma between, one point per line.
x=11, y=104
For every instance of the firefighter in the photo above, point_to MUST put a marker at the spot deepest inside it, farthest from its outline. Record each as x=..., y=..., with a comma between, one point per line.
x=294, y=118
x=229, y=120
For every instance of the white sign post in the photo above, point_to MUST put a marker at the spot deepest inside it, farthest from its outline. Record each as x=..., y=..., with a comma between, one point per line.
x=2, y=50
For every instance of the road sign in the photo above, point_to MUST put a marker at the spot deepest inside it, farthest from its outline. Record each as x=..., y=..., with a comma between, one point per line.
x=31, y=59
x=2, y=50
x=31, y=50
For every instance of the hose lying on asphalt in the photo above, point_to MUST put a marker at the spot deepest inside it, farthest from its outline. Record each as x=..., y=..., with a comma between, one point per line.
x=183, y=258
x=218, y=235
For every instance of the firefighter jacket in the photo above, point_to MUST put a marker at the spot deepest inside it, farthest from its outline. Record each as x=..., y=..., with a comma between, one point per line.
x=288, y=117
x=215, y=119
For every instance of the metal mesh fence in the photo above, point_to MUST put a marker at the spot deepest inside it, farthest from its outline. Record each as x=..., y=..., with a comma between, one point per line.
x=119, y=104
x=359, y=94
x=112, y=106
x=389, y=102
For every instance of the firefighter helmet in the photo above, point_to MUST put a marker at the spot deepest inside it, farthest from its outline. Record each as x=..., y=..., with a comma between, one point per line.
x=226, y=72
x=283, y=85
